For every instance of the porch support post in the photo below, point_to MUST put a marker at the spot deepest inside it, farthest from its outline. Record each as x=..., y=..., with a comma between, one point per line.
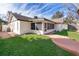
x=42, y=27
x=35, y=26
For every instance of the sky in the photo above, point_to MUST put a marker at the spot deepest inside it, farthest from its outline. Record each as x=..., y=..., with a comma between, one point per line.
x=46, y=10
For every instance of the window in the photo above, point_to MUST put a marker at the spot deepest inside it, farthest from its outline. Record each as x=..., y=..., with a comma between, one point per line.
x=33, y=26
x=50, y=26
x=38, y=26
x=45, y=25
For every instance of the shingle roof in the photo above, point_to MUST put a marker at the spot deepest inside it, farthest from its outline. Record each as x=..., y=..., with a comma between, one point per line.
x=25, y=18
x=21, y=17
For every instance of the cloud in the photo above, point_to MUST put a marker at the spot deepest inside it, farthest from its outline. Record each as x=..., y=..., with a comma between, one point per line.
x=5, y=7
x=77, y=5
x=40, y=10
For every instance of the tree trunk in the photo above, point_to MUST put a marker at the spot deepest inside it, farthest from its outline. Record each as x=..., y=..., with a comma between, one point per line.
x=0, y=28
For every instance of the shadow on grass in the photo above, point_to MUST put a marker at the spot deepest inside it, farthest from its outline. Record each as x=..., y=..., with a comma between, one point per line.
x=30, y=45
x=63, y=32
x=72, y=28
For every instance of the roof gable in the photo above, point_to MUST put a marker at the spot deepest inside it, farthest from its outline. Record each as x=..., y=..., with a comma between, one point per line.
x=21, y=17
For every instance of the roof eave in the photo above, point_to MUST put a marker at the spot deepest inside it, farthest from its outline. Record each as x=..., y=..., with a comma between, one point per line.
x=24, y=20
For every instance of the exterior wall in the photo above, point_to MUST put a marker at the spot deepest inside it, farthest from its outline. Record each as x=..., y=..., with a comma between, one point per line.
x=60, y=27
x=14, y=26
x=78, y=27
x=78, y=24
x=4, y=28
x=25, y=27
x=20, y=27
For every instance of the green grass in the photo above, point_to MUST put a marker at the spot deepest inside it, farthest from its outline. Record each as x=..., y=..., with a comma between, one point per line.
x=30, y=45
x=72, y=34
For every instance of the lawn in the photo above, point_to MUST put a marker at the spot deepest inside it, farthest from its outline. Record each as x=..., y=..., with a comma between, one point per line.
x=72, y=34
x=30, y=45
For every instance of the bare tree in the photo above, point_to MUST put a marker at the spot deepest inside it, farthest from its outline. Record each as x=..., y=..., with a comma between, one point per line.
x=58, y=14
x=70, y=18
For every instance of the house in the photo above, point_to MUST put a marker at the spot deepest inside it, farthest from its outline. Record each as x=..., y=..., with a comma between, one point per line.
x=20, y=24
x=59, y=24
x=4, y=26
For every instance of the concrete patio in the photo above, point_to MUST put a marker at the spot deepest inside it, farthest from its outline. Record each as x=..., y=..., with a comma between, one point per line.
x=57, y=36
x=6, y=34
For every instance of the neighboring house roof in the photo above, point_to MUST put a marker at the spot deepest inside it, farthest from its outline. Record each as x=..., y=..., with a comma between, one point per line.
x=58, y=20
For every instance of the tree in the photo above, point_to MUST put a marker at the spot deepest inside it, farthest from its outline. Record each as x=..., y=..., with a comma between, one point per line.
x=68, y=21
x=78, y=11
x=70, y=18
x=71, y=21
x=0, y=24
x=0, y=21
x=58, y=14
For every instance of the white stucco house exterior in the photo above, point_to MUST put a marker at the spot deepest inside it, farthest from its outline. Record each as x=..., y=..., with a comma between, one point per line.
x=20, y=24
x=59, y=24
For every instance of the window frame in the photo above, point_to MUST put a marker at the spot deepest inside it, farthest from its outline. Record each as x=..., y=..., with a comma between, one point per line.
x=32, y=26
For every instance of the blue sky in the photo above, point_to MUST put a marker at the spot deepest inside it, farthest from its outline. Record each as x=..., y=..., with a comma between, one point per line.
x=38, y=9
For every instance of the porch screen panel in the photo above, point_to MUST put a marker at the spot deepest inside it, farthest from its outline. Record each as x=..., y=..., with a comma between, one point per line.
x=50, y=26
x=38, y=26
